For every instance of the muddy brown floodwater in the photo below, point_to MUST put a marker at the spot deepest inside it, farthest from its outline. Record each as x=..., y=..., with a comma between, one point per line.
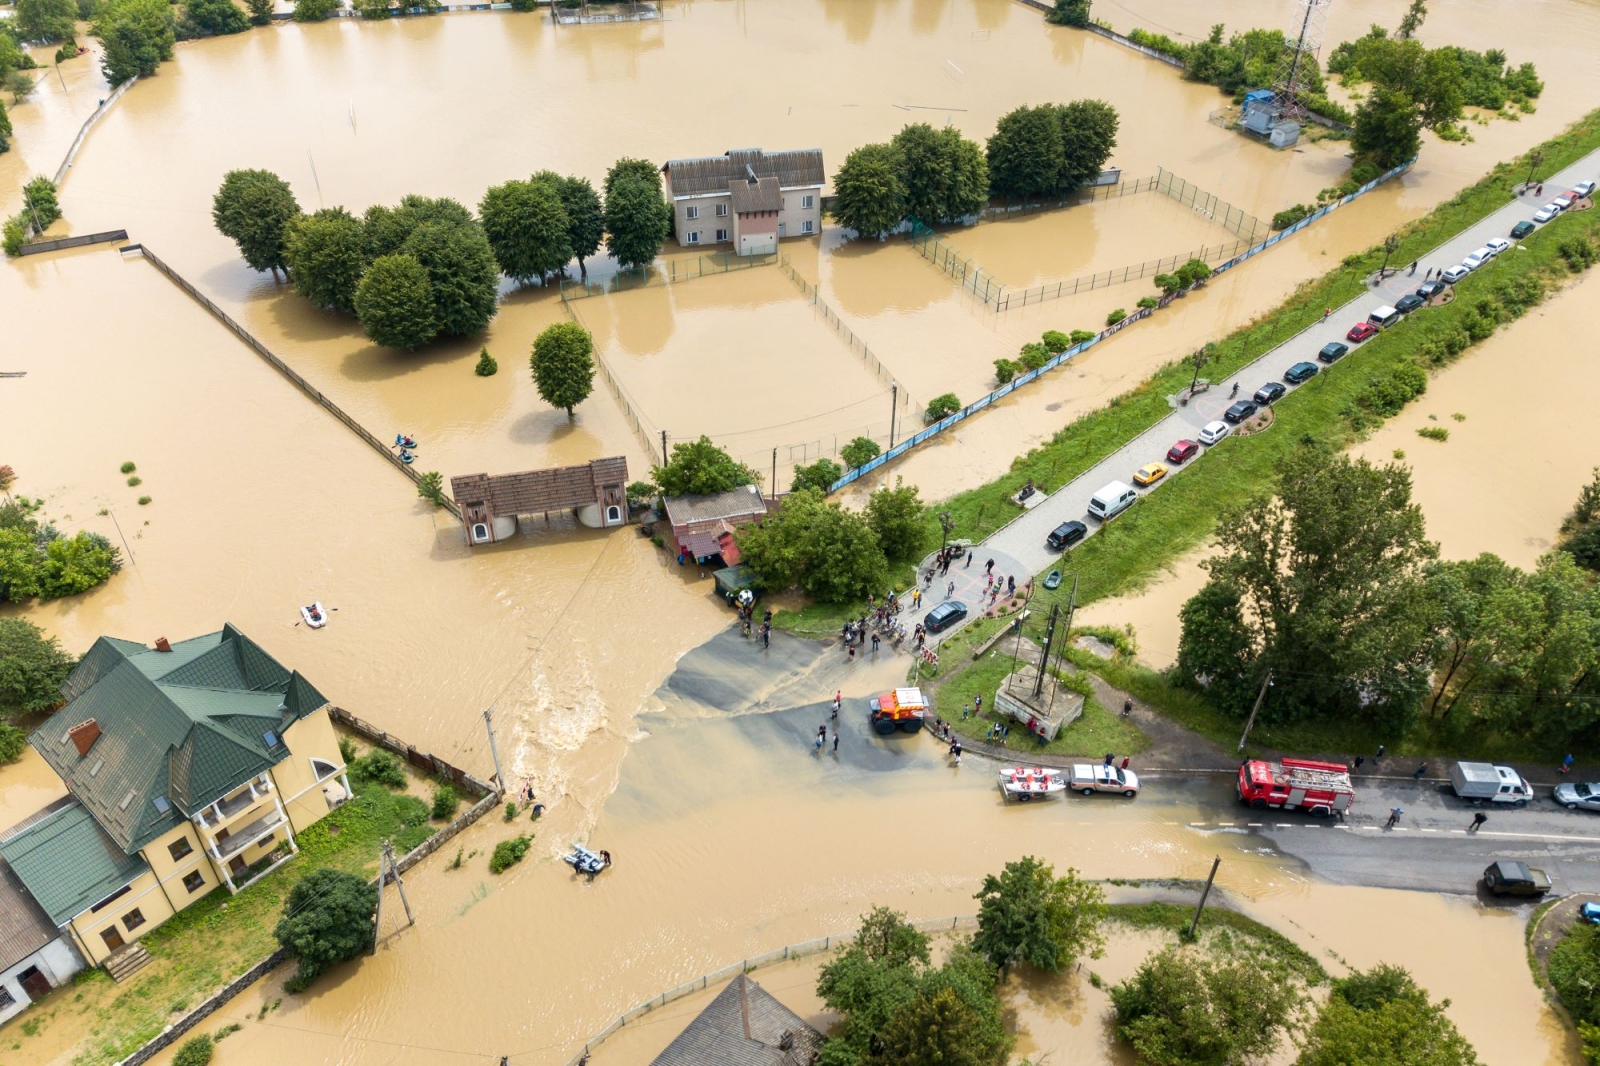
x=731, y=838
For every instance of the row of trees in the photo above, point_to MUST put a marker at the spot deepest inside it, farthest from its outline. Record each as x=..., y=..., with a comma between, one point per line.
x=938, y=176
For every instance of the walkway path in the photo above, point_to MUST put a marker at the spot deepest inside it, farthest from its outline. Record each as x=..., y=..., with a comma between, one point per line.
x=1024, y=538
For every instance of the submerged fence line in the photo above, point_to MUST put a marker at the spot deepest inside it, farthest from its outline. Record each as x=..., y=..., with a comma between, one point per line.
x=649, y=437
x=1064, y=357
x=667, y=272
x=283, y=368
x=1233, y=219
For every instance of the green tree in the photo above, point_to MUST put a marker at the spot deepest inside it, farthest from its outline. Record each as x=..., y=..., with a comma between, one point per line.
x=586, y=221
x=136, y=36
x=935, y=1029
x=1069, y=13
x=829, y=553
x=487, y=366
x=1088, y=135
x=260, y=11
x=315, y=10
x=819, y=475
x=255, y=208
x=430, y=486
x=1216, y=643
x=941, y=406
x=328, y=919
x=860, y=451
x=32, y=669
x=1192, y=271
x=869, y=194
x=1381, y=1018
x=1028, y=914
x=1412, y=22
x=563, y=365
x=1025, y=154
x=212, y=17
x=325, y=254
x=1574, y=970
x=700, y=468
x=629, y=168
x=13, y=742
x=638, y=218
x=945, y=175
x=1387, y=129
x=395, y=303
x=886, y=937
x=76, y=564
x=1330, y=580
x=388, y=228
x=895, y=515
x=5, y=123
x=1181, y=1009
x=39, y=203
x=527, y=229
x=46, y=20
x=462, y=273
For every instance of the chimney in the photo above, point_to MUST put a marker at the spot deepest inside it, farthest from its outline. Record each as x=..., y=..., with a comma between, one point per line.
x=84, y=735
x=162, y=644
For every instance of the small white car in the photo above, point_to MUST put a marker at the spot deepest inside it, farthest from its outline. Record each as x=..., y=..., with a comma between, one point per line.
x=1583, y=188
x=1496, y=245
x=1476, y=259
x=1547, y=212
x=1214, y=431
x=1455, y=273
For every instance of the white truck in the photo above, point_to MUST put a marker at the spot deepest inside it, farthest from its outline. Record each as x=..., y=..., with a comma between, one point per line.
x=1482, y=782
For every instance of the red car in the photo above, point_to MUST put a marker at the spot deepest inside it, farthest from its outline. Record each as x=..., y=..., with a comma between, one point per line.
x=1184, y=449
x=1361, y=331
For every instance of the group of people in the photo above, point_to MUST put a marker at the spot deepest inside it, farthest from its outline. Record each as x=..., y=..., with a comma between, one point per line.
x=942, y=560
x=822, y=732
x=747, y=613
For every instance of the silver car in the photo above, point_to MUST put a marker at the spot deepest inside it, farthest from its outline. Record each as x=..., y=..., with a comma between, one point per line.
x=1455, y=273
x=1575, y=794
x=1547, y=212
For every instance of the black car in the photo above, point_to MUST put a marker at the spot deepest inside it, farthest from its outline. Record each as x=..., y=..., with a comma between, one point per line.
x=1269, y=392
x=1509, y=878
x=1333, y=351
x=1240, y=411
x=1066, y=535
x=1429, y=289
x=1408, y=303
x=1521, y=230
x=944, y=616
x=1300, y=372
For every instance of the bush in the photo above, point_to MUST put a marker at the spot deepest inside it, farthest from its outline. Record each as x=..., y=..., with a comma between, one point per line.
x=508, y=853
x=1033, y=356
x=445, y=802
x=1168, y=283
x=486, y=365
x=143, y=501
x=1438, y=433
x=430, y=486
x=943, y=406
x=1055, y=342
x=16, y=235
x=1385, y=396
x=314, y=10
x=1069, y=13
x=13, y=742
x=1078, y=336
x=347, y=750
x=379, y=767
x=39, y=203
x=860, y=451
x=327, y=919
x=1578, y=252
x=128, y=468
x=819, y=475
x=641, y=493
x=1289, y=216
x=135, y=481
x=1147, y=302
x=1116, y=316
x=32, y=668
x=1005, y=370
x=195, y=1052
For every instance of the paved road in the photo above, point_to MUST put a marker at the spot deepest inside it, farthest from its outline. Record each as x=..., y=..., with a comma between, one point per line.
x=1024, y=538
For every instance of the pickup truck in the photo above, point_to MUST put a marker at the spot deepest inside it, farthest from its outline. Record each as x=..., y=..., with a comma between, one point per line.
x=1510, y=878
x=1482, y=782
x=1089, y=779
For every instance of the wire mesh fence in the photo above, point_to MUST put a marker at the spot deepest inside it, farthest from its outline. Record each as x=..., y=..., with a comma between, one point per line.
x=668, y=271
x=1211, y=253
x=1233, y=219
x=648, y=432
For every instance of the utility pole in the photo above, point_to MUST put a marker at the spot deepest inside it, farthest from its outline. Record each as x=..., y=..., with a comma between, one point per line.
x=1533, y=161
x=386, y=870
x=1261, y=697
x=894, y=402
x=1049, y=642
x=488, y=721
x=394, y=871
x=774, y=492
x=1216, y=861
x=663, y=447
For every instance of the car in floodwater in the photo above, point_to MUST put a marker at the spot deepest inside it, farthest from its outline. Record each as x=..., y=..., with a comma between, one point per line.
x=1521, y=230
x=1300, y=372
x=1408, y=303
x=1214, y=431
x=1547, y=212
x=1575, y=794
x=1149, y=473
x=1270, y=392
x=1511, y=878
x=1333, y=351
x=1361, y=331
x=1453, y=274
x=1183, y=451
x=1089, y=779
x=944, y=616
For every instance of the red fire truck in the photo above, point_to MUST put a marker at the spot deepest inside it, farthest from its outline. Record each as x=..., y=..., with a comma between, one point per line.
x=1323, y=788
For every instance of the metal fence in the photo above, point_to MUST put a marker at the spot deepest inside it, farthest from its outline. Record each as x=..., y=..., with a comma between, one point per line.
x=648, y=432
x=948, y=258
x=80, y=241
x=1089, y=282
x=1058, y=360
x=727, y=973
x=283, y=368
x=1233, y=219
x=665, y=272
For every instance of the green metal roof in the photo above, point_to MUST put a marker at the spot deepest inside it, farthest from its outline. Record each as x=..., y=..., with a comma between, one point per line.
x=68, y=863
x=179, y=729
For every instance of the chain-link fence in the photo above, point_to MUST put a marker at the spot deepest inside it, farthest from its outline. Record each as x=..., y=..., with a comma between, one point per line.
x=668, y=271
x=1211, y=253
x=1233, y=219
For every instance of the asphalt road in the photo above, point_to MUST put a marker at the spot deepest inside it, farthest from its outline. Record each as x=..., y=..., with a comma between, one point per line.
x=1024, y=537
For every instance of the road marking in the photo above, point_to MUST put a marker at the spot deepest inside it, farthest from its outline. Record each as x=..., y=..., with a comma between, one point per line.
x=1430, y=830
x=1285, y=825
x=1254, y=825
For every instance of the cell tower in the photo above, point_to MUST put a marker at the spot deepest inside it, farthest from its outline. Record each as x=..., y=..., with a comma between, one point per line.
x=1300, y=56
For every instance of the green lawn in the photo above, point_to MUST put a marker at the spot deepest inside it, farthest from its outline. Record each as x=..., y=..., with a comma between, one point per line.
x=1094, y=734
x=1218, y=921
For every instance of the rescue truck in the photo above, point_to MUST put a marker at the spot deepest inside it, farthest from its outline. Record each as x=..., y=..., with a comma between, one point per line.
x=1322, y=788
x=901, y=708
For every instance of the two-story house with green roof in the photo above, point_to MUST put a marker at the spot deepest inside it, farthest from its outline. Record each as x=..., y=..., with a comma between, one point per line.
x=189, y=766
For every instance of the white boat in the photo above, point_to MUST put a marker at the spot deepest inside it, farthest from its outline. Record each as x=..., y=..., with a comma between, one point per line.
x=585, y=861
x=1025, y=783
x=315, y=615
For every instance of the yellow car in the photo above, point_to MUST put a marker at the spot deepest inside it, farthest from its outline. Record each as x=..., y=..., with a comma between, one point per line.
x=1150, y=473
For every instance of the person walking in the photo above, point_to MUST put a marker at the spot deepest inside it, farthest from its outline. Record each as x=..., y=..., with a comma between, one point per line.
x=1413, y=272
x=1420, y=770
x=1011, y=584
x=1394, y=817
x=1111, y=757
x=916, y=598
x=1359, y=760
x=950, y=590
x=874, y=643
x=988, y=567
x=1566, y=765
x=1477, y=822
x=1127, y=706
x=822, y=736
x=1125, y=762
x=766, y=635
x=968, y=564
x=977, y=704
x=1327, y=313
x=1378, y=756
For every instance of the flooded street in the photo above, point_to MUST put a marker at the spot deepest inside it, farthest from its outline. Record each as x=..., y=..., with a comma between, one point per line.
x=731, y=837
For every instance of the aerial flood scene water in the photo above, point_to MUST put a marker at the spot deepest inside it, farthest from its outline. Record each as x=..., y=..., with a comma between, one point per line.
x=684, y=489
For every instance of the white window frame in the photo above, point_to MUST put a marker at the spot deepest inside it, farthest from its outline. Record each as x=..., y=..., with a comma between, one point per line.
x=691, y=212
x=806, y=202
x=805, y=227
x=722, y=234
x=722, y=210
x=693, y=237
x=480, y=531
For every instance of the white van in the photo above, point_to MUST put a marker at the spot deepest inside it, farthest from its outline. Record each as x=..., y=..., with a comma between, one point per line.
x=1384, y=317
x=1112, y=501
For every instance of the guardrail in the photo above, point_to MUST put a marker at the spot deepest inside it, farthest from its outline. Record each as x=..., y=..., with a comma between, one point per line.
x=1064, y=357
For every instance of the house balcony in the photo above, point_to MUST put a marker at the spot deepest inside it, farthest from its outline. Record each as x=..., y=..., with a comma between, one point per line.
x=216, y=815
x=248, y=834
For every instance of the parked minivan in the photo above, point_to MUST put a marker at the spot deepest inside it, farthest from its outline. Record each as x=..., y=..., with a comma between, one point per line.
x=1112, y=500
x=1384, y=317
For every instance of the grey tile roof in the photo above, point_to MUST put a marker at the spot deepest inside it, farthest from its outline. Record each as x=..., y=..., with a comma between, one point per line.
x=67, y=862
x=760, y=195
x=743, y=1026
x=798, y=168
x=182, y=727
x=741, y=502
x=24, y=926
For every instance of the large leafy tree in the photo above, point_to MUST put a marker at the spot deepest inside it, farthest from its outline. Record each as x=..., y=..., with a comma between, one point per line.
x=328, y=919
x=256, y=208
x=563, y=365
x=1381, y=1018
x=586, y=222
x=394, y=302
x=1387, y=129
x=388, y=228
x=830, y=553
x=945, y=175
x=213, y=17
x=869, y=195
x=1088, y=135
x=326, y=255
x=638, y=218
x=1329, y=574
x=819, y=475
x=46, y=20
x=936, y=1028
x=32, y=668
x=1183, y=1009
x=895, y=515
x=700, y=468
x=462, y=273
x=1028, y=914
x=1025, y=153
x=137, y=36
x=526, y=225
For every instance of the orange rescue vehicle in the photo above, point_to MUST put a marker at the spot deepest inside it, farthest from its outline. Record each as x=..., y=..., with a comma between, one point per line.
x=901, y=708
x=1323, y=788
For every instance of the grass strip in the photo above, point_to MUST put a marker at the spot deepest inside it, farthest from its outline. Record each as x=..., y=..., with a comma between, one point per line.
x=1176, y=917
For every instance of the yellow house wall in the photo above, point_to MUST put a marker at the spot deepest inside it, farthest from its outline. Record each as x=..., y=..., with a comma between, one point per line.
x=298, y=788
x=145, y=895
x=171, y=874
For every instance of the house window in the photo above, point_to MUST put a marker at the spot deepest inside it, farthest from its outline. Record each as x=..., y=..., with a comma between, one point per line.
x=6, y=999
x=806, y=202
x=613, y=514
x=195, y=881
x=691, y=212
x=722, y=210
x=722, y=234
x=322, y=768
x=805, y=227
x=264, y=841
x=694, y=237
x=179, y=848
x=133, y=919
x=480, y=532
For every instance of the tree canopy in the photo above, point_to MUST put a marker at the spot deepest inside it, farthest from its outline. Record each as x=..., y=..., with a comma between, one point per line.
x=327, y=919
x=527, y=228
x=819, y=475
x=1381, y=1018
x=1050, y=150
x=637, y=216
x=462, y=273
x=136, y=35
x=945, y=175
x=895, y=515
x=563, y=365
x=394, y=302
x=1183, y=1009
x=586, y=222
x=210, y=18
x=830, y=553
x=32, y=668
x=256, y=208
x=869, y=193
x=46, y=20
x=1028, y=914
x=700, y=468
x=37, y=560
x=326, y=255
